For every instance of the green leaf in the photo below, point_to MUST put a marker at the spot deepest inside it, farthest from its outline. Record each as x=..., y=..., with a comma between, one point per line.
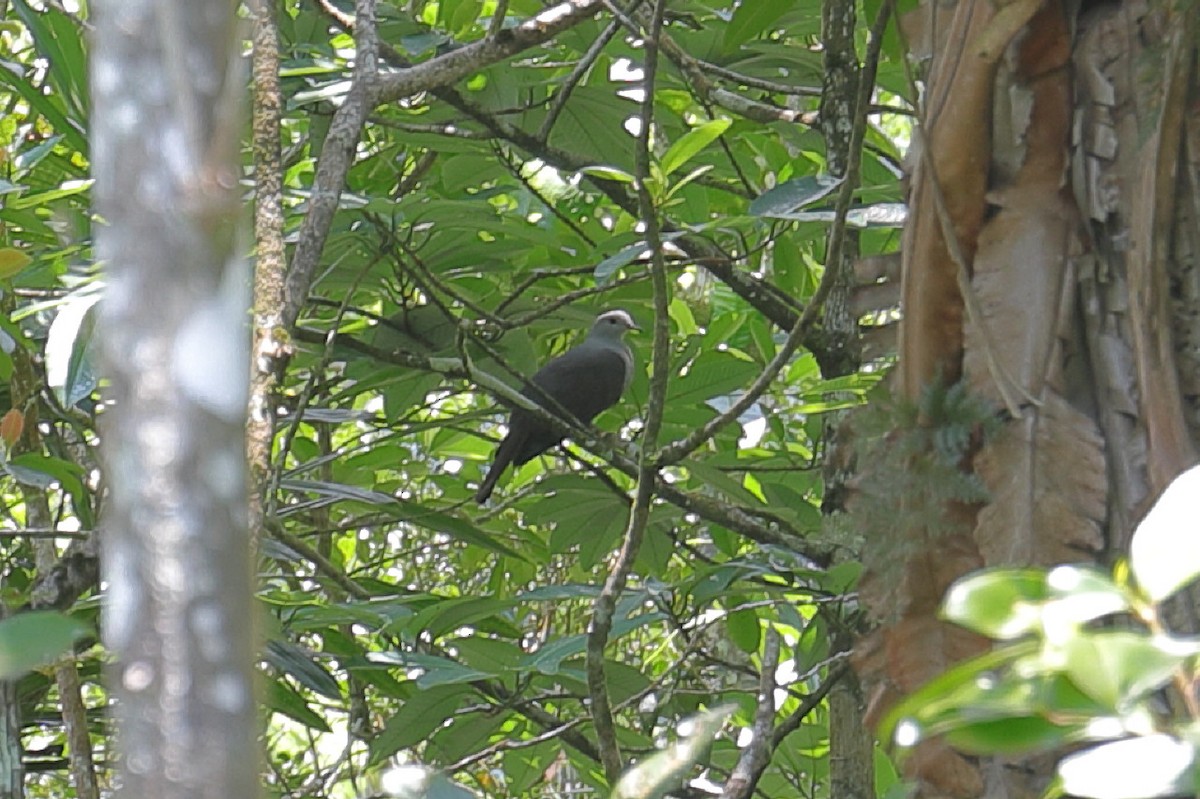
x=1000, y=603
x=594, y=121
x=33, y=468
x=1010, y=736
x=744, y=629
x=442, y=671
x=1164, y=554
x=43, y=199
x=918, y=713
x=750, y=19
x=584, y=515
x=292, y=660
x=609, y=266
x=417, y=718
x=446, y=614
x=1136, y=768
x=280, y=698
x=691, y=143
x=681, y=315
x=458, y=15
x=1116, y=667
x=607, y=173
x=1009, y=603
x=626, y=255
x=456, y=527
x=69, y=369
x=549, y=657
x=60, y=40
x=712, y=374
x=336, y=492
x=792, y=195
x=36, y=638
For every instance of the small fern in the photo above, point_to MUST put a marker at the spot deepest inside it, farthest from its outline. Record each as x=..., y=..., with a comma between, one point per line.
x=913, y=474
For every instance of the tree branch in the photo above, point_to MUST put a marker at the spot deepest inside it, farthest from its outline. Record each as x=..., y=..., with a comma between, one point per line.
x=452, y=67
x=337, y=156
x=270, y=347
x=757, y=754
x=639, y=516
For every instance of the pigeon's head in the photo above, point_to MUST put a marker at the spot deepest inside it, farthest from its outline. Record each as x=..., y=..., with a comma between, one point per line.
x=614, y=324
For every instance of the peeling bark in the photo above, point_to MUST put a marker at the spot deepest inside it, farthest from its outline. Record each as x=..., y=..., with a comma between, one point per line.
x=1065, y=151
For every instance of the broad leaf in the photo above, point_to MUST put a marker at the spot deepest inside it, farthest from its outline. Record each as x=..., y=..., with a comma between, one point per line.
x=1137, y=768
x=691, y=143
x=1165, y=551
x=36, y=638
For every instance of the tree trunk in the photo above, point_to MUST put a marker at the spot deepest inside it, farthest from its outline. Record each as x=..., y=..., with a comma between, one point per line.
x=166, y=92
x=1048, y=264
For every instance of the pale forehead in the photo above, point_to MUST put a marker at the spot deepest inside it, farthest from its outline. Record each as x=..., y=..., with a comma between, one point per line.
x=617, y=315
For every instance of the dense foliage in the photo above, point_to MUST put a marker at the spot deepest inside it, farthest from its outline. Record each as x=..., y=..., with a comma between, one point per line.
x=483, y=224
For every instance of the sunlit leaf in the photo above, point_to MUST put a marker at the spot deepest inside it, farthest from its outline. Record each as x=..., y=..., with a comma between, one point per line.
x=1165, y=551
x=661, y=772
x=608, y=173
x=1009, y=603
x=69, y=349
x=1137, y=768
x=691, y=143
x=1117, y=667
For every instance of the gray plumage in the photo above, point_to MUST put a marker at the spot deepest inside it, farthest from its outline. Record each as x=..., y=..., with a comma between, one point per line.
x=585, y=380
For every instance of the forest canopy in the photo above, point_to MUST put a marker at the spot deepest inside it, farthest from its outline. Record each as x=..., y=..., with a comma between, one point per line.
x=421, y=203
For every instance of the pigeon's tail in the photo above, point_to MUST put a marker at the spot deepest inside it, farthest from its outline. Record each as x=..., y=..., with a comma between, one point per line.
x=517, y=433
x=489, y=483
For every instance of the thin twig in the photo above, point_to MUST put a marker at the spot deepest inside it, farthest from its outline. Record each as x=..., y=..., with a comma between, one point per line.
x=682, y=448
x=757, y=754
x=514, y=169
x=285, y=447
x=563, y=92
x=449, y=68
x=647, y=473
x=811, y=703
x=323, y=564
x=497, y=23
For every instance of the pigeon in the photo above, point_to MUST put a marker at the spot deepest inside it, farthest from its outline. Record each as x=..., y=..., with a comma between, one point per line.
x=584, y=380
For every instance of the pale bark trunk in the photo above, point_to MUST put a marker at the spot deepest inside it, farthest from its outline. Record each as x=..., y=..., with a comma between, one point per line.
x=166, y=89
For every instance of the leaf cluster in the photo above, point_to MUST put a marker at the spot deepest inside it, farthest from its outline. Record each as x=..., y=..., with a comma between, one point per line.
x=1085, y=660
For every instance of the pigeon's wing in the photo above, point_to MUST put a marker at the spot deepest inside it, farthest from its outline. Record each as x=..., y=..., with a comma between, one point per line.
x=585, y=380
